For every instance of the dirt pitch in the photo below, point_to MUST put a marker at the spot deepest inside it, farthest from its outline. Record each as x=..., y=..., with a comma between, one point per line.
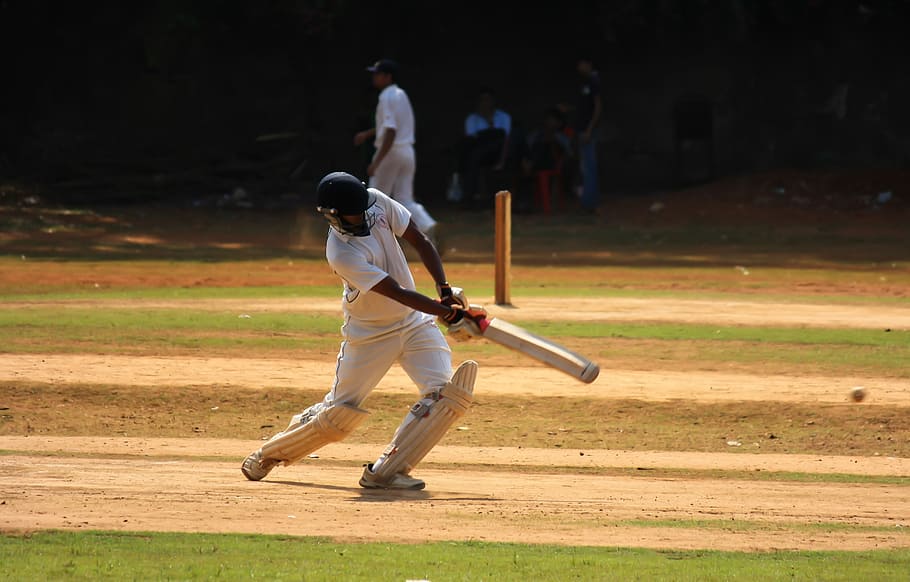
x=495, y=494
x=734, y=500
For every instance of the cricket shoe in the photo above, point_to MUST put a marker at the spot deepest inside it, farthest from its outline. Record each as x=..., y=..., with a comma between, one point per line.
x=255, y=468
x=398, y=481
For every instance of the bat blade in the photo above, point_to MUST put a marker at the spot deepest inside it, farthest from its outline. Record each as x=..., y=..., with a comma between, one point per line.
x=541, y=349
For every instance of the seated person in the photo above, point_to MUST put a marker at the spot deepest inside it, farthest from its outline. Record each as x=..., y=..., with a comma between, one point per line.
x=485, y=144
x=548, y=151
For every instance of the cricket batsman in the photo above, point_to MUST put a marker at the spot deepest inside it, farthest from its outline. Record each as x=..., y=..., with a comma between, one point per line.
x=385, y=321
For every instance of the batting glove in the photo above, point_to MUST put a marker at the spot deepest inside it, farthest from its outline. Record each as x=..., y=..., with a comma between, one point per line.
x=446, y=296
x=471, y=321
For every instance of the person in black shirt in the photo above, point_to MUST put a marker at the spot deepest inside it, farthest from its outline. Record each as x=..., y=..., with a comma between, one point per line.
x=587, y=116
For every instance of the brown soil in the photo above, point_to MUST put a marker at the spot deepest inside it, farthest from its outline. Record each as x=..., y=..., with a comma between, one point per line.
x=523, y=381
x=475, y=493
x=156, y=493
x=174, y=485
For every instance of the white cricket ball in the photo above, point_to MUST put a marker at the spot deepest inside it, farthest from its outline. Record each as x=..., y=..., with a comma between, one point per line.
x=858, y=393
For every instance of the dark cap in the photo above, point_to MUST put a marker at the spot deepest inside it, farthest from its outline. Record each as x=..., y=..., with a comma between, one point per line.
x=384, y=66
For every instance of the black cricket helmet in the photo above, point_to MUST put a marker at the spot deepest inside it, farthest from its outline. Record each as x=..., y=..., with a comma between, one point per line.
x=340, y=194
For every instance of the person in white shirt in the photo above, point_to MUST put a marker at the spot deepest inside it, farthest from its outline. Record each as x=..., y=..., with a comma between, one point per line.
x=485, y=145
x=394, y=163
x=385, y=321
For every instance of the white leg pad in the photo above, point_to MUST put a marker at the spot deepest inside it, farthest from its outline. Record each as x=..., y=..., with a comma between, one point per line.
x=428, y=424
x=331, y=424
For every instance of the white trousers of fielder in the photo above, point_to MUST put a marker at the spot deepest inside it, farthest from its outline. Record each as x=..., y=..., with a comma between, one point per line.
x=395, y=177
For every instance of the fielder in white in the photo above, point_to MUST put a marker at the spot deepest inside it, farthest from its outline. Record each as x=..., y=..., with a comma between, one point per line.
x=385, y=321
x=394, y=164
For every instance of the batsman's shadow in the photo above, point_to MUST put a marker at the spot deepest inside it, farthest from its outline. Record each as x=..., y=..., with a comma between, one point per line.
x=361, y=495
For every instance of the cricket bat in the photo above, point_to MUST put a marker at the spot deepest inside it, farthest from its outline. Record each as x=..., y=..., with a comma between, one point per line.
x=541, y=349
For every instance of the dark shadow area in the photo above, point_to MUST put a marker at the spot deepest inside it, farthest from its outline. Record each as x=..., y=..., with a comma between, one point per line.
x=774, y=219
x=384, y=495
x=767, y=132
x=246, y=103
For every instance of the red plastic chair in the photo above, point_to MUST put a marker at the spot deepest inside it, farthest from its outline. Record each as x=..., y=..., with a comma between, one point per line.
x=547, y=184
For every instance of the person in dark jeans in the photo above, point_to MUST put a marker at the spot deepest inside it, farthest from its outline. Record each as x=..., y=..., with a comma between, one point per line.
x=485, y=144
x=587, y=116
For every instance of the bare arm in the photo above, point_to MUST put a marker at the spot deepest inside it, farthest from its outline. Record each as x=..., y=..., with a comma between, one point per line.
x=429, y=256
x=362, y=136
x=390, y=288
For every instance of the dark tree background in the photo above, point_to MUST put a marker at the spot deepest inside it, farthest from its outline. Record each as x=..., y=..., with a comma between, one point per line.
x=171, y=97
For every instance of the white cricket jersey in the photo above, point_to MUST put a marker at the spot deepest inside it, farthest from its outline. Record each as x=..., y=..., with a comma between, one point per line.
x=364, y=261
x=394, y=112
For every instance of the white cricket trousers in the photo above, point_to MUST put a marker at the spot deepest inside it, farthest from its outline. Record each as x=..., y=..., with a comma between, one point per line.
x=420, y=349
x=395, y=177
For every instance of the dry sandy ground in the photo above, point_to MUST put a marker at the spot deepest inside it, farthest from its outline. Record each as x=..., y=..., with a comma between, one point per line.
x=524, y=457
x=506, y=494
x=495, y=503
x=718, y=312
x=532, y=381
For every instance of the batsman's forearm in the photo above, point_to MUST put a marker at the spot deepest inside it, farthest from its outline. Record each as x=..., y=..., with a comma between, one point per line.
x=430, y=258
x=420, y=302
x=390, y=288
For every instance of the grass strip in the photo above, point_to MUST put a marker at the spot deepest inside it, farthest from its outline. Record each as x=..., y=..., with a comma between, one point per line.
x=59, y=319
x=155, y=556
x=611, y=353
x=64, y=319
x=617, y=345
x=769, y=292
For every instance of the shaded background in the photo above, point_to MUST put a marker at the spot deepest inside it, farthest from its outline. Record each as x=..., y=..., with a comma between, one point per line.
x=186, y=99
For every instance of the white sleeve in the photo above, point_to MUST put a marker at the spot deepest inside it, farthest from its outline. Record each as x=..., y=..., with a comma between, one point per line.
x=354, y=268
x=390, y=108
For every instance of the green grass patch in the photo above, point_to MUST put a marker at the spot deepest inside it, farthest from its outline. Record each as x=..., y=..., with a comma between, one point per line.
x=187, y=294
x=55, y=329
x=174, y=556
x=59, y=318
x=476, y=287
x=675, y=332
x=166, y=331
